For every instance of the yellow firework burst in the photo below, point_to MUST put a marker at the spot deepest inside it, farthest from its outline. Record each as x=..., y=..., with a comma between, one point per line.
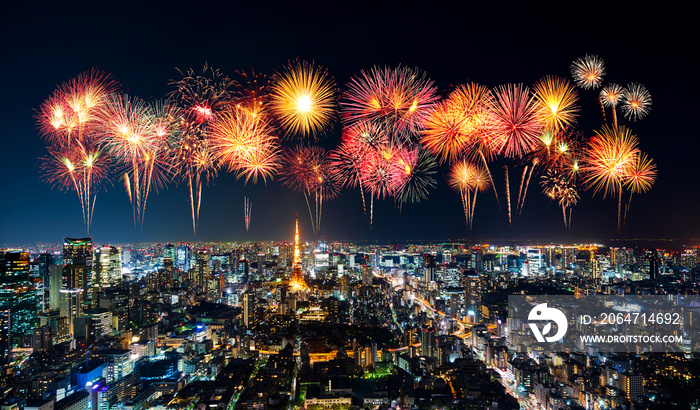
x=304, y=99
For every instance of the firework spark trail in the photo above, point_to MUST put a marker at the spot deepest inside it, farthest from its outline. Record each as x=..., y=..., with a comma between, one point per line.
x=521, y=200
x=247, y=207
x=521, y=189
x=507, y=193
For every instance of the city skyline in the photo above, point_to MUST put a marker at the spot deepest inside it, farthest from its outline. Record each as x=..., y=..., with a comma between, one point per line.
x=45, y=214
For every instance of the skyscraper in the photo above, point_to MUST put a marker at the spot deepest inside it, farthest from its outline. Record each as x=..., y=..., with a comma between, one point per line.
x=249, y=309
x=17, y=292
x=429, y=268
x=55, y=285
x=107, y=267
x=5, y=335
x=203, y=272
x=77, y=251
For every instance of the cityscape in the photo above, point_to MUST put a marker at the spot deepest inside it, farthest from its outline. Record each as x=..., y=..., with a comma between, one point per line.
x=348, y=206
x=315, y=324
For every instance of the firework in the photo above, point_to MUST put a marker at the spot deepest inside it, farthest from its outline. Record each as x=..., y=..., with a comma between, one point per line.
x=636, y=102
x=515, y=125
x=70, y=115
x=200, y=98
x=588, y=72
x=303, y=99
x=556, y=103
x=79, y=170
x=639, y=178
x=641, y=174
x=610, y=158
x=137, y=135
x=468, y=179
x=457, y=123
x=247, y=207
x=611, y=95
x=412, y=174
x=400, y=99
x=561, y=188
x=245, y=143
x=308, y=170
x=252, y=92
x=70, y=124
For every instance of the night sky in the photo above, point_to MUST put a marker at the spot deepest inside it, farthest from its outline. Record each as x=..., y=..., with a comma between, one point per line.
x=47, y=43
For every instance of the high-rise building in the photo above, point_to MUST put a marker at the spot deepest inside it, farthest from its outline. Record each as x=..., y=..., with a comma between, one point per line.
x=107, y=267
x=429, y=268
x=42, y=340
x=44, y=261
x=77, y=251
x=55, y=285
x=366, y=275
x=202, y=273
x=182, y=258
x=17, y=292
x=651, y=262
x=5, y=335
x=249, y=309
x=472, y=295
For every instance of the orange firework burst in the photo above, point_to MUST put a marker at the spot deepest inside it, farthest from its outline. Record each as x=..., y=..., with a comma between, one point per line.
x=641, y=174
x=556, y=102
x=636, y=102
x=70, y=115
x=245, y=143
x=468, y=178
x=304, y=99
x=588, y=71
x=458, y=122
x=610, y=156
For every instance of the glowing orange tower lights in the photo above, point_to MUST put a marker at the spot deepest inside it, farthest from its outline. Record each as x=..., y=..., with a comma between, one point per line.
x=297, y=282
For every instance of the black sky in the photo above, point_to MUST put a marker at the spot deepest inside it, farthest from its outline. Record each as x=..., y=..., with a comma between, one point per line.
x=45, y=44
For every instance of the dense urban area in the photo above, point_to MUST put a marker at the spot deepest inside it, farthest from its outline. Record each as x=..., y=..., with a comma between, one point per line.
x=322, y=325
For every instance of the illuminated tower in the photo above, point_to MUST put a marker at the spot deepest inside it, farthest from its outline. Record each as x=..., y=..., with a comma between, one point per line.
x=297, y=282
